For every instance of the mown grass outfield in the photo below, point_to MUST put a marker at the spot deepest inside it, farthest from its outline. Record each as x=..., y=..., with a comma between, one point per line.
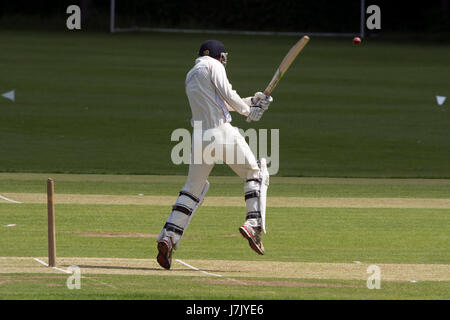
x=107, y=224
x=99, y=109
x=101, y=103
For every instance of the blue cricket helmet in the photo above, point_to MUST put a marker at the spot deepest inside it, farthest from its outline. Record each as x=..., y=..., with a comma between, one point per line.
x=212, y=48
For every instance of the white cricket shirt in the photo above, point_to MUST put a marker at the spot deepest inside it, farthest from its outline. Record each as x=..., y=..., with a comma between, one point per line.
x=210, y=94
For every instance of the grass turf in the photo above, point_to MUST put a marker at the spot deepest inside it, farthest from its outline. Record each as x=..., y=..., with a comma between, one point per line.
x=101, y=103
x=314, y=234
x=137, y=287
x=225, y=186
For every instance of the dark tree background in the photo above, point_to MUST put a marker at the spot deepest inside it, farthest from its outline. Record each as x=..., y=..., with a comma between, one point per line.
x=401, y=16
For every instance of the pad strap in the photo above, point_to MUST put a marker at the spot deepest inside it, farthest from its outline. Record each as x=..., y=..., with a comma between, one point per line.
x=187, y=194
x=174, y=228
x=183, y=209
x=252, y=194
x=253, y=215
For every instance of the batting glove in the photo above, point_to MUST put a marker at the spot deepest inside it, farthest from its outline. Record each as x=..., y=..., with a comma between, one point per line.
x=260, y=103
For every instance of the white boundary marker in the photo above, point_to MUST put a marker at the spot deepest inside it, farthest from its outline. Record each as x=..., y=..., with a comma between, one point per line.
x=56, y=268
x=197, y=269
x=10, y=200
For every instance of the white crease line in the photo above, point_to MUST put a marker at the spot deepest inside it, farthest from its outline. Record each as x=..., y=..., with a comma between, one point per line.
x=56, y=268
x=10, y=200
x=103, y=283
x=65, y=271
x=42, y=262
x=197, y=269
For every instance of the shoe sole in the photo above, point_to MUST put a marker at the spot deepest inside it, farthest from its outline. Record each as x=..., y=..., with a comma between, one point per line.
x=163, y=255
x=246, y=234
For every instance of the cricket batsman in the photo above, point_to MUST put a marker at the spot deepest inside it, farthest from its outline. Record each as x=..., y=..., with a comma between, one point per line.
x=211, y=99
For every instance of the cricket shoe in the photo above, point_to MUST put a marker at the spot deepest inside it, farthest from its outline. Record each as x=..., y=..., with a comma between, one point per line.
x=253, y=235
x=165, y=248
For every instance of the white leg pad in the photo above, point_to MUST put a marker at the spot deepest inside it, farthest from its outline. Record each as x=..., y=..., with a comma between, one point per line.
x=181, y=215
x=252, y=194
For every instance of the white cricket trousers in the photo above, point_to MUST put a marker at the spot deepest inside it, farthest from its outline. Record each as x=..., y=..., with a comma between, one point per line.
x=237, y=154
x=241, y=160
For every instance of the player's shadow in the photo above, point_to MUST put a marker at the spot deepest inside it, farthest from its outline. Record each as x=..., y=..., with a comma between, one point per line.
x=144, y=268
x=118, y=268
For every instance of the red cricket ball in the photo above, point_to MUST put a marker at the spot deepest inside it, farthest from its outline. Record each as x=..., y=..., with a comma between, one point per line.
x=356, y=40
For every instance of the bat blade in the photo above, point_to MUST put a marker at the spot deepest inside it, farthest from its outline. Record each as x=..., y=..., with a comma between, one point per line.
x=286, y=63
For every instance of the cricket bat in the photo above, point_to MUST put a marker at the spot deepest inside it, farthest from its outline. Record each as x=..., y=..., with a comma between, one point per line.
x=285, y=64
